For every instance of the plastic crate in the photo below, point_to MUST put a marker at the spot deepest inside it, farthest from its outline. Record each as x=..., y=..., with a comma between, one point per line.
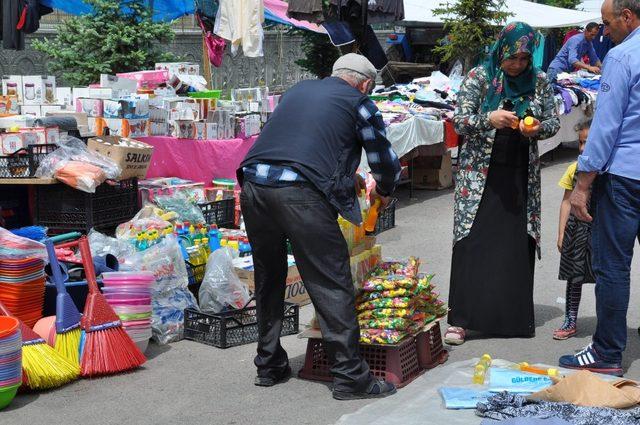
x=220, y=213
x=398, y=364
x=235, y=327
x=23, y=163
x=431, y=352
x=64, y=209
x=387, y=219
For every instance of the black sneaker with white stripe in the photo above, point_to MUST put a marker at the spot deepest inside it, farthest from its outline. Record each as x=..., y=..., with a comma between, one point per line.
x=588, y=359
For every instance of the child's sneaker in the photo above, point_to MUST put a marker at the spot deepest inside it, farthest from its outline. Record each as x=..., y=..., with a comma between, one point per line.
x=588, y=359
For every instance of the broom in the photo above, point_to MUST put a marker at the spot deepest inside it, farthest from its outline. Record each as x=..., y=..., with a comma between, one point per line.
x=67, y=314
x=42, y=367
x=108, y=349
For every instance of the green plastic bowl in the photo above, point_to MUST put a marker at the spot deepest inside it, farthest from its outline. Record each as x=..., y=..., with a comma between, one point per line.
x=7, y=394
x=208, y=94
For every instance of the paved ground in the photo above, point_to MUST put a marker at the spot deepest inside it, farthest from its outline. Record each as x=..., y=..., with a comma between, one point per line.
x=196, y=384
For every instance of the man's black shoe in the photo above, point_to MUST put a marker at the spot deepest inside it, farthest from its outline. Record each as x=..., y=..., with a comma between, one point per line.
x=377, y=389
x=270, y=381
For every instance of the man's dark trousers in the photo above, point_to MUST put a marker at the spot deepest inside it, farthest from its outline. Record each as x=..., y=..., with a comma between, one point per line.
x=301, y=213
x=616, y=225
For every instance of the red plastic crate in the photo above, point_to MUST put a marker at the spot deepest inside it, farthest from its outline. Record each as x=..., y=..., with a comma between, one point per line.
x=399, y=364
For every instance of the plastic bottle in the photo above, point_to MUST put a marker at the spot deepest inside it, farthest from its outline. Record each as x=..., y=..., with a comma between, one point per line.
x=529, y=123
x=479, y=374
x=485, y=360
x=372, y=217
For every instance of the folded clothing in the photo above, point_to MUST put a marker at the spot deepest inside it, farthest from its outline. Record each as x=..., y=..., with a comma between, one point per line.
x=463, y=398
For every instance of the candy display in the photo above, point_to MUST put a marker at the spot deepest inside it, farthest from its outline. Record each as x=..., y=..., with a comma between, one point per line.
x=396, y=301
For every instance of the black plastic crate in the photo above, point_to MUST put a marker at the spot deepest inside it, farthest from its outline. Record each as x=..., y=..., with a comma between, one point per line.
x=23, y=163
x=64, y=209
x=387, y=218
x=221, y=213
x=235, y=327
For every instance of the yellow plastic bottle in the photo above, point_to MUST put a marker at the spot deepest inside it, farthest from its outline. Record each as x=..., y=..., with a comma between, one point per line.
x=479, y=374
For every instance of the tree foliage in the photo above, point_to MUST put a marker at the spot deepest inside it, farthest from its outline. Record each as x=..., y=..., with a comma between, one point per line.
x=111, y=40
x=319, y=54
x=470, y=26
x=567, y=4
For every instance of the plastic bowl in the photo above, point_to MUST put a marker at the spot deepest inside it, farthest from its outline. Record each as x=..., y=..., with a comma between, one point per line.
x=128, y=276
x=8, y=325
x=7, y=394
x=46, y=328
x=142, y=345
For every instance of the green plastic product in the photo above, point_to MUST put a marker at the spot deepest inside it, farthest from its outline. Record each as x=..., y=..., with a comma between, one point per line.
x=7, y=395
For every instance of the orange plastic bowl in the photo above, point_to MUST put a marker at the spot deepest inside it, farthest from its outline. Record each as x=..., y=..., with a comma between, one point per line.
x=8, y=325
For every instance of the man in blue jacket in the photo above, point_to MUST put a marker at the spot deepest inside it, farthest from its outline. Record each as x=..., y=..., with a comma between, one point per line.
x=570, y=55
x=295, y=180
x=611, y=162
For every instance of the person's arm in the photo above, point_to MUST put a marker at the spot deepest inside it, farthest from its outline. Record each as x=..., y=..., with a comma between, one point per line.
x=383, y=161
x=549, y=123
x=565, y=211
x=468, y=119
x=594, y=60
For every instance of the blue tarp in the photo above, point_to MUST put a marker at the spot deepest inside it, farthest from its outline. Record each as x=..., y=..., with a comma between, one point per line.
x=163, y=10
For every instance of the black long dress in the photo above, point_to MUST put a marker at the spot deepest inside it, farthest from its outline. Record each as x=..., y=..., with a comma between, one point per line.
x=492, y=269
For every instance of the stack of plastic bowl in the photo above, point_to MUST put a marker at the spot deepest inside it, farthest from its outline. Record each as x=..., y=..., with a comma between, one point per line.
x=22, y=288
x=10, y=359
x=129, y=293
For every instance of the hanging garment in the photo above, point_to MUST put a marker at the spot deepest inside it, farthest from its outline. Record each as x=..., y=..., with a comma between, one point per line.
x=380, y=11
x=370, y=47
x=339, y=33
x=240, y=22
x=215, y=45
x=12, y=38
x=306, y=10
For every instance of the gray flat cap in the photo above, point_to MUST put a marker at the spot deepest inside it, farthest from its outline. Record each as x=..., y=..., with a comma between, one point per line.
x=357, y=63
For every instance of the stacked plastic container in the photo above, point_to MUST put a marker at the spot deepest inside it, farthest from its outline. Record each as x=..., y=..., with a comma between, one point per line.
x=22, y=288
x=129, y=293
x=10, y=359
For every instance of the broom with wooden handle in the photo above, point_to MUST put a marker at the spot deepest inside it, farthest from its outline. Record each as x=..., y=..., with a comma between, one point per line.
x=43, y=368
x=67, y=315
x=108, y=349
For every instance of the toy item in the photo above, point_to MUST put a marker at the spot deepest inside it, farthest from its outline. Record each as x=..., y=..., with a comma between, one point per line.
x=108, y=348
x=525, y=367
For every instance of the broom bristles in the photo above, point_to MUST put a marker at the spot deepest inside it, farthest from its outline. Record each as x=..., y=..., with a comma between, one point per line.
x=109, y=351
x=68, y=346
x=45, y=368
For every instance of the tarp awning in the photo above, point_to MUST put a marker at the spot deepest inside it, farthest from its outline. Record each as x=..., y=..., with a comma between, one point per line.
x=535, y=14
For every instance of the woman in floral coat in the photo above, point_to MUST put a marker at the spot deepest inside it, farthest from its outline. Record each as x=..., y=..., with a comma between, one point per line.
x=497, y=197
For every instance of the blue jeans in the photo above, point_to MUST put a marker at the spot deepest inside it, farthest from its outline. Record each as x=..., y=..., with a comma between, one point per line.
x=616, y=214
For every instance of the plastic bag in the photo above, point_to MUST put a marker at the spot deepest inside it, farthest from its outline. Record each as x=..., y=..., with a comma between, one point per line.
x=148, y=218
x=14, y=247
x=180, y=204
x=102, y=245
x=456, y=71
x=169, y=295
x=221, y=287
x=77, y=165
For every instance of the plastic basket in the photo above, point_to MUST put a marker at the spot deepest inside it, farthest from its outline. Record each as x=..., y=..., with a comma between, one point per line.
x=24, y=162
x=235, y=327
x=431, y=352
x=220, y=213
x=387, y=219
x=397, y=364
x=64, y=209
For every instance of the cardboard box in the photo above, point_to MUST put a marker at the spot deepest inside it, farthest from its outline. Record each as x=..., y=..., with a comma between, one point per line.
x=38, y=89
x=64, y=96
x=9, y=105
x=124, y=127
x=201, y=131
x=12, y=142
x=126, y=108
x=437, y=175
x=185, y=129
x=295, y=292
x=39, y=110
x=179, y=68
x=91, y=107
x=138, y=127
x=12, y=86
x=34, y=136
x=52, y=134
x=132, y=156
x=158, y=128
x=121, y=86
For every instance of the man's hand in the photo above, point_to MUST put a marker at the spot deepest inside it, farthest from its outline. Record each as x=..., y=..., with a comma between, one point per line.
x=594, y=69
x=384, y=200
x=503, y=119
x=579, y=200
x=360, y=184
x=530, y=131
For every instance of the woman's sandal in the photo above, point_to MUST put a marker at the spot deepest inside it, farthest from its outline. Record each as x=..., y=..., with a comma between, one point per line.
x=454, y=335
x=562, y=334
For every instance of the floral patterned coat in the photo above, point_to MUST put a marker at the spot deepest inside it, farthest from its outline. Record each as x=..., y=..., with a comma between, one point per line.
x=475, y=154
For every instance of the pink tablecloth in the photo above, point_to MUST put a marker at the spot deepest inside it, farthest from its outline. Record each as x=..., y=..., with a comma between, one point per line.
x=197, y=160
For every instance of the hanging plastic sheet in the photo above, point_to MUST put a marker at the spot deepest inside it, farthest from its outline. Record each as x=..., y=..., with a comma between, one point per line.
x=163, y=10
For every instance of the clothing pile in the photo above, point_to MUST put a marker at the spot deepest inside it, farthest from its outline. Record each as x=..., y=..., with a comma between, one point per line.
x=396, y=301
x=576, y=89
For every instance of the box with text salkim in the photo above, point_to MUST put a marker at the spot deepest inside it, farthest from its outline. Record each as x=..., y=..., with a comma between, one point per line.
x=132, y=156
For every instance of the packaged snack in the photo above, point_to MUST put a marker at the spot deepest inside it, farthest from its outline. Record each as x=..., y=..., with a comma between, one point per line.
x=378, y=284
x=381, y=336
x=398, y=302
x=398, y=324
x=386, y=313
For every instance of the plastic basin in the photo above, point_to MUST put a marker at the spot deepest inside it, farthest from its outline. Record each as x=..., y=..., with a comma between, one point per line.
x=7, y=394
x=8, y=326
